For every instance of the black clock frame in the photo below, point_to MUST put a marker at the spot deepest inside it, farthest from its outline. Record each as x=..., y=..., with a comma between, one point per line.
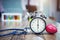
x=42, y=30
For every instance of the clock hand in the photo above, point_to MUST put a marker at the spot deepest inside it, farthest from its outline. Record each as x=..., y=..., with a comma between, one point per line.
x=37, y=24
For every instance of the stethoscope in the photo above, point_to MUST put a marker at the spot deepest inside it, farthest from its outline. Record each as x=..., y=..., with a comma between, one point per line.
x=37, y=25
x=15, y=32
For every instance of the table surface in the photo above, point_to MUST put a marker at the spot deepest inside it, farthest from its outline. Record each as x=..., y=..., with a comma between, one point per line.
x=45, y=36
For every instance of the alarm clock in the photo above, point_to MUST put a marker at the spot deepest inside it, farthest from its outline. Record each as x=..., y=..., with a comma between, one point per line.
x=37, y=25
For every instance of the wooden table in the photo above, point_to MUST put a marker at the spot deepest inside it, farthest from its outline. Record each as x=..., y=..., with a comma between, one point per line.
x=31, y=36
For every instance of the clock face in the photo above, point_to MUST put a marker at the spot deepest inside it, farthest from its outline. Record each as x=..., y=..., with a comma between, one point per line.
x=37, y=25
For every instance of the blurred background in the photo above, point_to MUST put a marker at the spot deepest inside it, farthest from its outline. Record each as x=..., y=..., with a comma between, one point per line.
x=48, y=7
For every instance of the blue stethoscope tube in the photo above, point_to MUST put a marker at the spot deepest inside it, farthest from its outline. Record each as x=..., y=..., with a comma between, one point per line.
x=13, y=33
